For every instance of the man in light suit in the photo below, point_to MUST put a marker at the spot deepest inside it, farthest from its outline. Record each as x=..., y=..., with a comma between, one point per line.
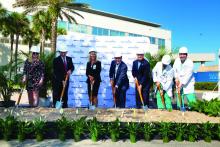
x=62, y=66
x=119, y=79
x=141, y=72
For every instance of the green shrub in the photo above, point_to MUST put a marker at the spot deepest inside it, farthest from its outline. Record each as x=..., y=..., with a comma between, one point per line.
x=148, y=130
x=39, y=128
x=95, y=129
x=62, y=125
x=114, y=130
x=166, y=131
x=192, y=132
x=78, y=128
x=180, y=130
x=23, y=129
x=211, y=108
x=133, y=129
x=205, y=85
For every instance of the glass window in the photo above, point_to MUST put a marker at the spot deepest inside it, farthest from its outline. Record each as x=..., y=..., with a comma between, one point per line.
x=161, y=43
x=152, y=40
x=105, y=32
x=94, y=31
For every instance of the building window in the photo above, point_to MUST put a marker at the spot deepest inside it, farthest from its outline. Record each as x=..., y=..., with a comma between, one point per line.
x=152, y=40
x=161, y=43
x=100, y=31
x=135, y=35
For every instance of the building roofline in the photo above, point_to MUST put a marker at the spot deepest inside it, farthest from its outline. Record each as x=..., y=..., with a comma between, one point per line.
x=93, y=11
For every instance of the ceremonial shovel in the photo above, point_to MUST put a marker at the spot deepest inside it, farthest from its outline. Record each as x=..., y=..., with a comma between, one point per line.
x=139, y=92
x=182, y=108
x=91, y=106
x=60, y=103
x=113, y=94
x=162, y=96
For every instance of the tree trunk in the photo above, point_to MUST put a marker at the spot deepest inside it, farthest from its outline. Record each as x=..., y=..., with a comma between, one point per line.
x=30, y=45
x=11, y=55
x=42, y=44
x=16, y=53
x=54, y=34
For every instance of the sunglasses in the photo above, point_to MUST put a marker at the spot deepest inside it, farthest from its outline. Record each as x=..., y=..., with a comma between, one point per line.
x=35, y=53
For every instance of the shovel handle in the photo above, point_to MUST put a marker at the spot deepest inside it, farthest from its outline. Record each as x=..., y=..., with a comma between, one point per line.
x=113, y=94
x=64, y=86
x=139, y=91
x=161, y=95
x=179, y=96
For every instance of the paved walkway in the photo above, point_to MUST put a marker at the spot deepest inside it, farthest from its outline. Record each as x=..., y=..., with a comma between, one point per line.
x=106, y=143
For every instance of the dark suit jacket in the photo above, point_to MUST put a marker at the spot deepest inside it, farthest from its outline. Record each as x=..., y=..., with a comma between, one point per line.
x=143, y=73
x=59, y=71
x=121, y=78
x=94, y=71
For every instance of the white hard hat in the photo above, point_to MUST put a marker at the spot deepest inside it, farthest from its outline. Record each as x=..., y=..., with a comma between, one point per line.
x=62, y=48
x=92, y=50
x=166, y=59
x=118, y=54
x=35, y=49
x=140, y=52
x=183, y=50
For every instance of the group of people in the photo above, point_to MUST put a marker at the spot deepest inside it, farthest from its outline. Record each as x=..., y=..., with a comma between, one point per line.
x=163, y=76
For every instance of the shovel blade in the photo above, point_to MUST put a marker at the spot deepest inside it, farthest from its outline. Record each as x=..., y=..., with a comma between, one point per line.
x=92, y=107
x=58, y=105
x=183, y=109
x=145, y=107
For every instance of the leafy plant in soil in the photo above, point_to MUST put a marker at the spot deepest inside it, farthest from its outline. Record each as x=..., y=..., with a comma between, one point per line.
x=78, y=128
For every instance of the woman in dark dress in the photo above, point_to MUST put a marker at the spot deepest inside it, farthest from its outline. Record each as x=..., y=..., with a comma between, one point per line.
x=33, y=76
x=93, y=70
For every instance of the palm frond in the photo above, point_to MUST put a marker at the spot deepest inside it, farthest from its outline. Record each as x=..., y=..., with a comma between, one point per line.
x=69, y=18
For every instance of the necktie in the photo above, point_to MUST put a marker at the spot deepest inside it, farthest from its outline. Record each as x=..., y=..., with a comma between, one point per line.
x=64, y=63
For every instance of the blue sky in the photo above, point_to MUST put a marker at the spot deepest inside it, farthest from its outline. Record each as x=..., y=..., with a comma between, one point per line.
x=194, y=23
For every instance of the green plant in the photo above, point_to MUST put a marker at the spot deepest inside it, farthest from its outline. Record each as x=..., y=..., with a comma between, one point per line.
x=114, y=130
x=148, y=130
x=39, y=126
x=218, y=131
x=180, y=129
x=211, y=108
x=23, y=129
x=47, y=59
x=166, y=131
x=78, y=128
x=8, y=126
x=62, y=126
x=207, y=129
x=205, y=85
x=95, y=129
x=133, y=129
x=192, y=131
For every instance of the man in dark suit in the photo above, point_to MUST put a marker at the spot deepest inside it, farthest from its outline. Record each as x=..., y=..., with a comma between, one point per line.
x=119, y=79
x=62, y=66
x=141, y=72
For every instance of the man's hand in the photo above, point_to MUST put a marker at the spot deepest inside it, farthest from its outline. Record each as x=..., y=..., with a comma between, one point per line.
x=140, y=87
x=69, y=72
x=177, y=82
x=158, y=84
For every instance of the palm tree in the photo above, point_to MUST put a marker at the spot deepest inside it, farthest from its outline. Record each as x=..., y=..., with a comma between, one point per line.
x=21, y=24
x=30, y=38
x=3, y=14
x=8, y=29
x=56, y=8
x=42, y=25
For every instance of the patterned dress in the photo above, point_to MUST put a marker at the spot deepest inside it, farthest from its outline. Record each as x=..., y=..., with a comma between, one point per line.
x=34, y=71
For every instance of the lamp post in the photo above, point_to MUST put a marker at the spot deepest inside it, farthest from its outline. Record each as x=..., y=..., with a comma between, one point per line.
x=219, y=71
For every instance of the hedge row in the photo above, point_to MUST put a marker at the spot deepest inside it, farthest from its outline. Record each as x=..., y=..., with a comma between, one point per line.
x=206, y=86
x=11, y=128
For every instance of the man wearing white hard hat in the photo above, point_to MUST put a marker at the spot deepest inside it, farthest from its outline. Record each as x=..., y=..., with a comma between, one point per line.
x=163, y=75
x=183, y=71
x=62, y=66
x=93, y=70
x=141, y=73
x=34, y=70
x=119, y=79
